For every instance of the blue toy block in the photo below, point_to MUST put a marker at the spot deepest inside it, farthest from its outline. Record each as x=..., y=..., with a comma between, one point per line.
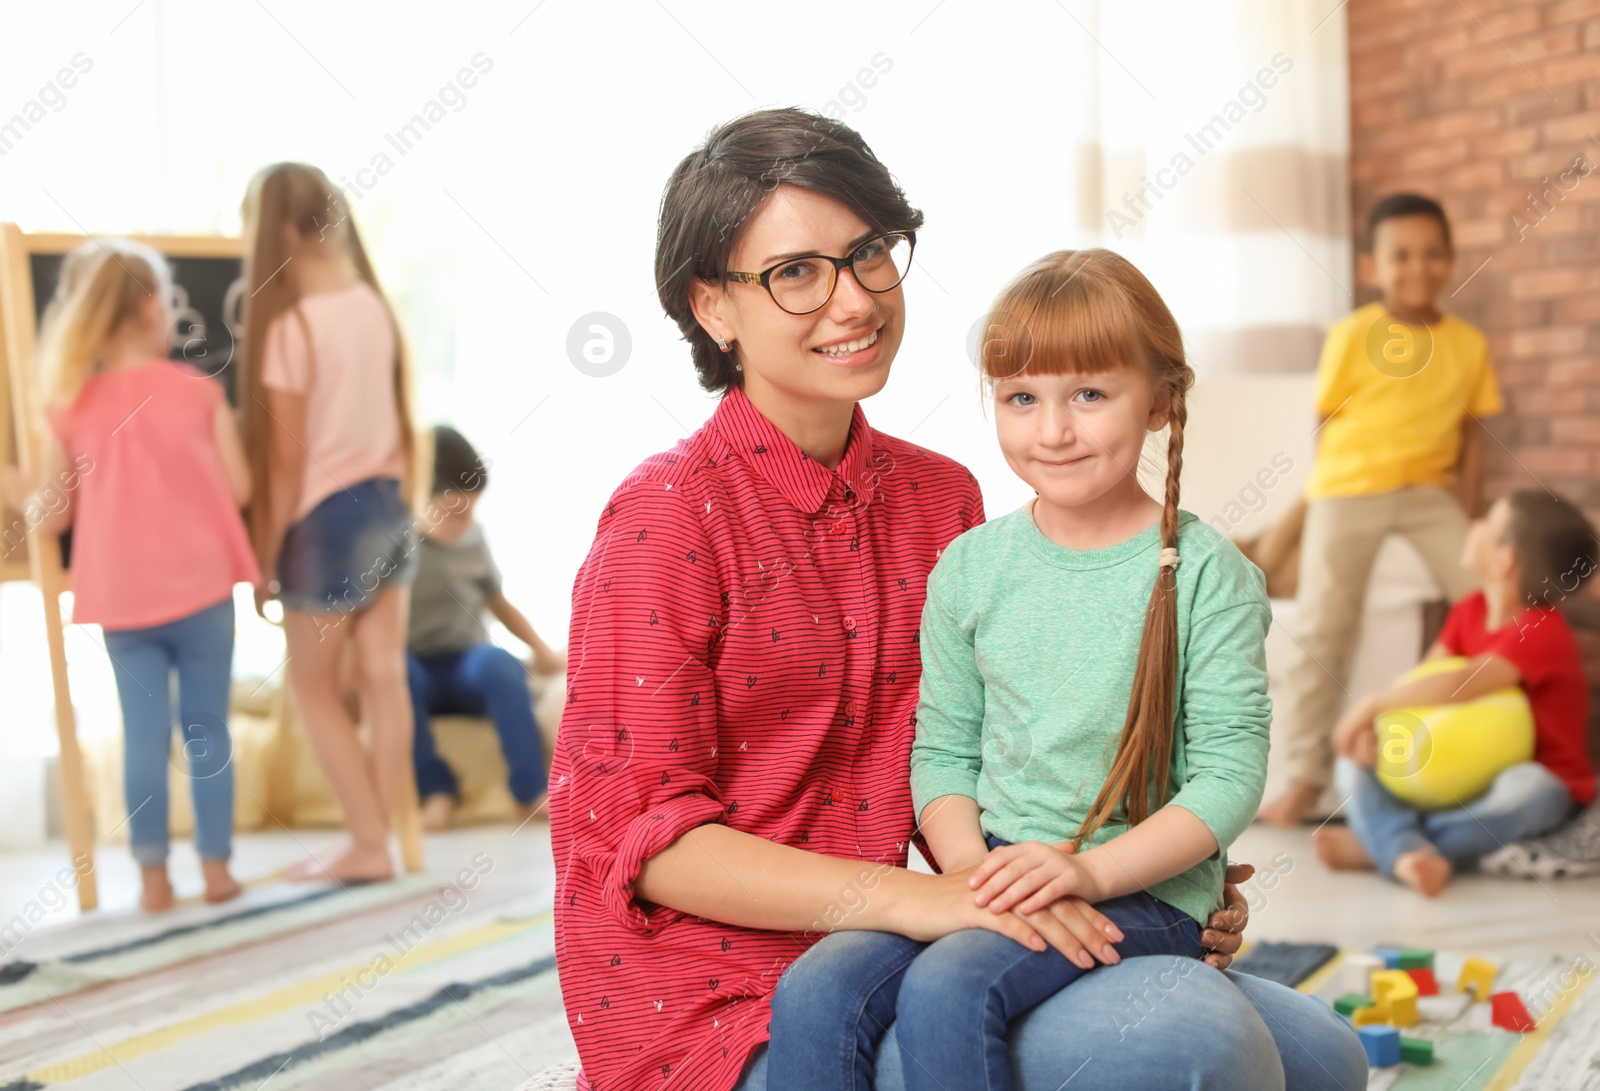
x=1390, y=956
x=1382, y=1045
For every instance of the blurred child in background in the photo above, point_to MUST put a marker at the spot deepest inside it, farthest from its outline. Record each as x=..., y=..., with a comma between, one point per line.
x=1400, y=389
x=329, y=432
x=143, y=460
x=453, y=665
x=1531, y=552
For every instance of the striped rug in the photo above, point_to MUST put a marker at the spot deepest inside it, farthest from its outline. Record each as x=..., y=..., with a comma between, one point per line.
x=406, y=984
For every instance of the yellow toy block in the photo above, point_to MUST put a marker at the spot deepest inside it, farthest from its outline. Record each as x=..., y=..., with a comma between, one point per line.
x=1363, y=1016
x=1394, y=994
x=1477, y=977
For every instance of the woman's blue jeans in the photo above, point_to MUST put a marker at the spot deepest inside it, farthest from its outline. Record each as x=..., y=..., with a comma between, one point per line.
x=1524, y=800
x=1160, y=1023
x=199, y=650
x=1165, y=1023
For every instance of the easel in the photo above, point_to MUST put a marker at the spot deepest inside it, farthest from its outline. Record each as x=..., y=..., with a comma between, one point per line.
x=18, y=347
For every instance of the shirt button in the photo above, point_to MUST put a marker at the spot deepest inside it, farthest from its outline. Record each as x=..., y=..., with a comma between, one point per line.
x=838, y=526
x=850, y=707
x=849, y=624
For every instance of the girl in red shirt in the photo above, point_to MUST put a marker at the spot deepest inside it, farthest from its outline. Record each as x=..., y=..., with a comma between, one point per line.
x=153, y=494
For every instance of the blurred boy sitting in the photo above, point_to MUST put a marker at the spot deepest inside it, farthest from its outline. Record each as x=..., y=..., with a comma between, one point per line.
x=452, y=665
x=1399, y=390
x=1531, y=552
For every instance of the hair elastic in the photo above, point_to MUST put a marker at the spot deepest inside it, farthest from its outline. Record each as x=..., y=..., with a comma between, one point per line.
x=1169, y=558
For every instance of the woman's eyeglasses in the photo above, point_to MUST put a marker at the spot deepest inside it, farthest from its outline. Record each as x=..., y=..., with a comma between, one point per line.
x=805, y=284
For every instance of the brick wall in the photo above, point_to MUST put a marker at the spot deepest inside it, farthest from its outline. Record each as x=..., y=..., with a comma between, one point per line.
x=1493, y=107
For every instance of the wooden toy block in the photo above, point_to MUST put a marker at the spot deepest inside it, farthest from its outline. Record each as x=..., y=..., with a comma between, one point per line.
x=1349, y=1002
x=1444, y=1008
x=1509, y=1013
x=1395, y=995
x=1477, y=977
x=1416, y=1050
x=1364, y=1017
x=1389, y=955
x=1355, y=973
x=1415, y=958
x=1427, y=985
x=1382, y=1045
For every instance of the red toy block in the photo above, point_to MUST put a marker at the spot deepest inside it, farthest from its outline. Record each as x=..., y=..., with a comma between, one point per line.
x=1508, y=1012
x=1426, y=985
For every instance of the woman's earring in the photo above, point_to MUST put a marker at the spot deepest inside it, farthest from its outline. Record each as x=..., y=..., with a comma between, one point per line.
x=722, y=343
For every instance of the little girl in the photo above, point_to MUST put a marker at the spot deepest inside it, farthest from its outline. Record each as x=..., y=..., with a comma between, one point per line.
x=158, y=543
x=328, y=425
x=1093, y=714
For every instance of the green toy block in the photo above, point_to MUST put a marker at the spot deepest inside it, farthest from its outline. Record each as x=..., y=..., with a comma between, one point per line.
x=1415, y=958
x=1350, y=1002
x=1416, y=1050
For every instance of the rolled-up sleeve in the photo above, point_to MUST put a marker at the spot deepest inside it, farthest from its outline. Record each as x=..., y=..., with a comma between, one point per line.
x=636, y=753
x=1227, y=717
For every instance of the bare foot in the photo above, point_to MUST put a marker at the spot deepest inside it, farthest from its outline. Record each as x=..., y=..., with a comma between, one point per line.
x=537, y=809
x=1292, y=806
x=437, y=811
x=1426, y=872
x=1340, y=849
x=156, y=895
x=221, y=886
x=354, y=866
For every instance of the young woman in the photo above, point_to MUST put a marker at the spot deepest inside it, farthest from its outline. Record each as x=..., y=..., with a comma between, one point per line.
x=732, y=776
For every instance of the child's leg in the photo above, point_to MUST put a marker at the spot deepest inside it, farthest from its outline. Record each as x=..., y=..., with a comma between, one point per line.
x=830, y=1010
x=142, y=663
x=434, y=777
x=959, y=995
x=204, y=647
x=498, y=682
x=316, y=647
x=1337, y=550
x=1524, y=800
x=1386, y=826
x=1433, y=522
x=379, y=633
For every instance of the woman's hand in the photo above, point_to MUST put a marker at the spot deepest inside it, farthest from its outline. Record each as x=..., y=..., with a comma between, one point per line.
x=1222, y=936
x=1031, y=876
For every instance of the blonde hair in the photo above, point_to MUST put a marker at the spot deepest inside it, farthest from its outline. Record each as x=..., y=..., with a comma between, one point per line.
x=1087, y=311
x=301, y=196
x=104, y=284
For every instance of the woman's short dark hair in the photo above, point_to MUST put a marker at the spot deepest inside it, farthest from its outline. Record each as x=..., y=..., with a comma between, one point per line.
x=716, y=188
x=456, y=464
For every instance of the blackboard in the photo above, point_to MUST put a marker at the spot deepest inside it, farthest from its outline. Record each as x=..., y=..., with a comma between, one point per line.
x=206, y=332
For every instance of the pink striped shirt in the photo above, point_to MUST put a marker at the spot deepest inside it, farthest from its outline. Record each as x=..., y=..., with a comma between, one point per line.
x=743, y=651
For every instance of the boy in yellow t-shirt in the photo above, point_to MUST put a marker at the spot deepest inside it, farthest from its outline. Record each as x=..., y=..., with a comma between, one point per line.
x=1400, y=389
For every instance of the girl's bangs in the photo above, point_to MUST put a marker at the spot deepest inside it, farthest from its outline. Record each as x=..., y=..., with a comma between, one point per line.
x=1050, y=321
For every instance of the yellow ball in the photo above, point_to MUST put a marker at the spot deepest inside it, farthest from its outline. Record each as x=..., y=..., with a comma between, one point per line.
x=1443, y=756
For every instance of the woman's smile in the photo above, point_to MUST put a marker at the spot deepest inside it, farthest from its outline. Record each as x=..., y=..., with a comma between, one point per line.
x=853, y=351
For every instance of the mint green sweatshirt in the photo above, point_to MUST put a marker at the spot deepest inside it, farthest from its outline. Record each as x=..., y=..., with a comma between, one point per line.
x=1028, y=652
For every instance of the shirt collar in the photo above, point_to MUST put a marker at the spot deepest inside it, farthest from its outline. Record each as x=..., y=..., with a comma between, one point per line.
x=803, y=481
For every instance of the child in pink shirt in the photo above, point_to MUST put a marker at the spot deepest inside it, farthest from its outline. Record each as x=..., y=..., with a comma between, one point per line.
x=331, y=442
x=158, y=476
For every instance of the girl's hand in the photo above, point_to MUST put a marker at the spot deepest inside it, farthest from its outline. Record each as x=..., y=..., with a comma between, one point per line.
x=263, y=596
x=1223, y=933
x=941, y=904
x=1030, y=876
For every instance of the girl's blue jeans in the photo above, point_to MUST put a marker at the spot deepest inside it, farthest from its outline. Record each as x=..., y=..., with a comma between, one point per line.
x=1524, y=800
x=951, y=999
x=198, y=651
